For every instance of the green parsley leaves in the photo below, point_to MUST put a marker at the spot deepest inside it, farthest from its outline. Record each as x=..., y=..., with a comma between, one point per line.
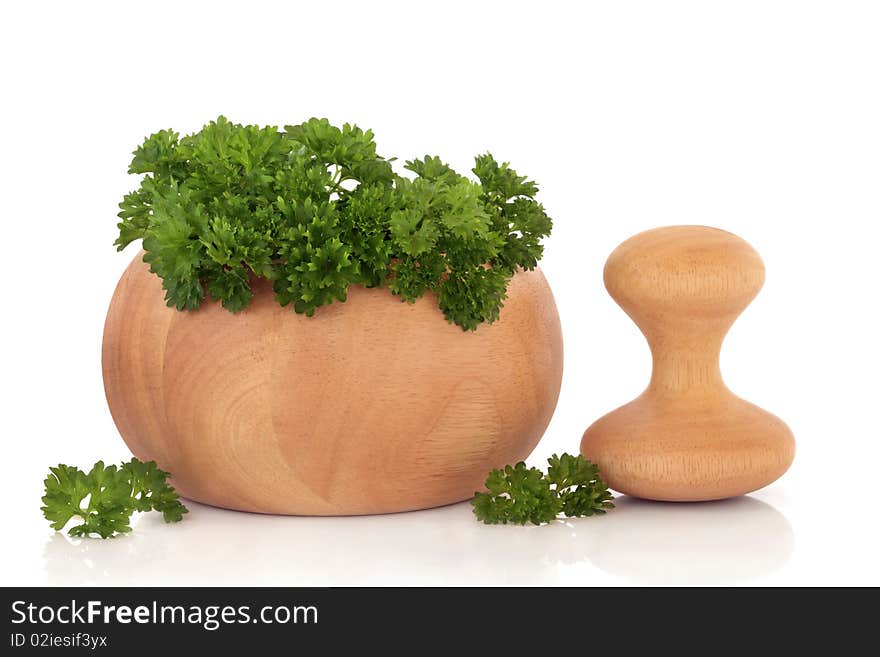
x=113, y=495
x=315, y=209
x=520, y=495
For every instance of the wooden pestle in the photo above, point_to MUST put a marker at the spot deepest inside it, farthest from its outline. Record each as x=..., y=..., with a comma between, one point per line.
x=687, y=437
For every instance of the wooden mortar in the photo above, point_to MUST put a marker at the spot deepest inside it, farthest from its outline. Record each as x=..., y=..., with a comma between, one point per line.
x=370, y=406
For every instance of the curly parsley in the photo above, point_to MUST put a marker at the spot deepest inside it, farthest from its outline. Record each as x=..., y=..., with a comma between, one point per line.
x=106, y=497
x=520, y=495
x=315, y=209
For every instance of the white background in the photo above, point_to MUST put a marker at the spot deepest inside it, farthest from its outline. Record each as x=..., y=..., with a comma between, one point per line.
x=762, y=118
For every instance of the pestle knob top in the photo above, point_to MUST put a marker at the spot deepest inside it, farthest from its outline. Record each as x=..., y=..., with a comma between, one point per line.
x=684, y=271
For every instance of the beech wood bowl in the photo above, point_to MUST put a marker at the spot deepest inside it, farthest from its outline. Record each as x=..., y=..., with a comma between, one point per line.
x=369, y=406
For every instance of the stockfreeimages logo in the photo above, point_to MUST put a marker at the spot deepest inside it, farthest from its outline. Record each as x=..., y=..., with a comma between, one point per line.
x=209, y=617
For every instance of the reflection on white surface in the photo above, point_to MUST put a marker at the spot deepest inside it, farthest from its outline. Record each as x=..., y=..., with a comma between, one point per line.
x=213, y=546
x=726, y=542
x=641, y=542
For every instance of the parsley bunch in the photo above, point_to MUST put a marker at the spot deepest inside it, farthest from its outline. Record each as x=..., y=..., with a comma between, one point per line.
x=113, y=495
x=519, y=495
x=315, y=209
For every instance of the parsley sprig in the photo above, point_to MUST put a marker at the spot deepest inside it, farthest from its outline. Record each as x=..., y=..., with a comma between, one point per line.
x=519, y=495
x=315, y=209
x=106, y=497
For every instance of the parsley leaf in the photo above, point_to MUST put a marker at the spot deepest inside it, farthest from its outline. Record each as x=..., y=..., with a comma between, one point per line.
x=578, y=485
x=113, y=493
x=520, y=495
x=314, y=208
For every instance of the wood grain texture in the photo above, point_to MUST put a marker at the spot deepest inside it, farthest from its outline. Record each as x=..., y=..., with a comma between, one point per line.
x=370, y=406
x=687, y=437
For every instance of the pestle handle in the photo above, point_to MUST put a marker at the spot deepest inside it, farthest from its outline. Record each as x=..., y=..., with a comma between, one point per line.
x=684, y=286
x=684, y=272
